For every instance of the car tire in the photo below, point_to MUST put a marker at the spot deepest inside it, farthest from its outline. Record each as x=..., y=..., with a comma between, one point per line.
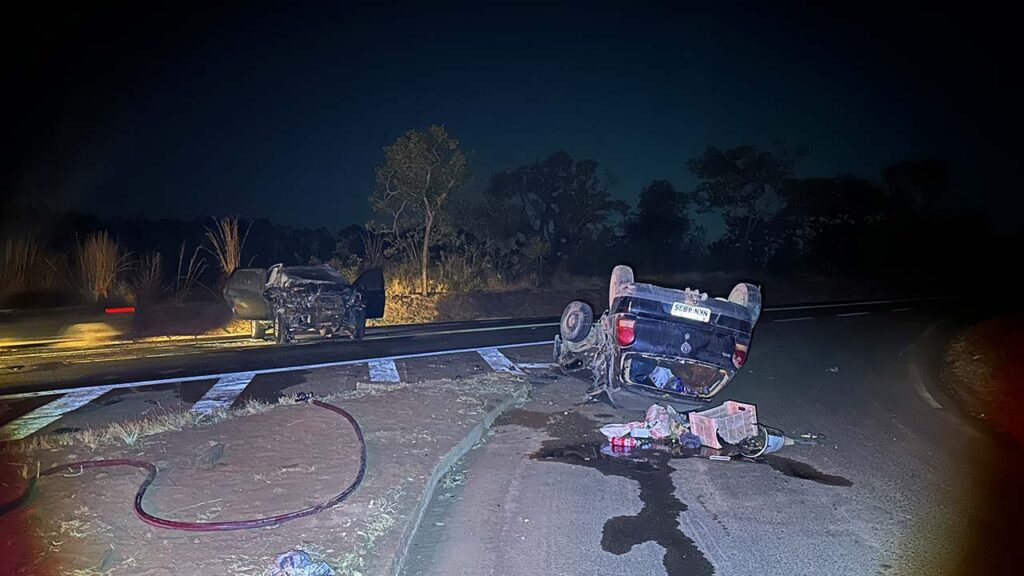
x=621, y=275
x=577, y=322
x=257, y=330
x=281, y=333
x=359, y=326
x=748, y=296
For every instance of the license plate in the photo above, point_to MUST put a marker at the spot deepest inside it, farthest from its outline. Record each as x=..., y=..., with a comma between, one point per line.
x=691, y=312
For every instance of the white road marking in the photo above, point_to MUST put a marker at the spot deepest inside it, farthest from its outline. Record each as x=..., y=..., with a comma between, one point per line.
x=849, y=314
x=903, y=309
x=794, y=319
x=263, y=371
x=223, y=393
x=854, y=304
x=383, y=370
x=915, y=377
x=535, y=365
x=497, y=361
x=40, y=417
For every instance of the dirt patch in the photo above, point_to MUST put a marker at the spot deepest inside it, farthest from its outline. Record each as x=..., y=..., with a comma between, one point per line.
x=287, y=458
x=985, y=371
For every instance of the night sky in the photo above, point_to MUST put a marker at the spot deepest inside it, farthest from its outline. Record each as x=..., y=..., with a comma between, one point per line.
x=283, y=112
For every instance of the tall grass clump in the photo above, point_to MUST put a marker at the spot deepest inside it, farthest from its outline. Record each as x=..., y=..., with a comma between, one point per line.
x=149, y=280
x=187, y=276
x=226, y=243
x=99, y=262
x=19, y=264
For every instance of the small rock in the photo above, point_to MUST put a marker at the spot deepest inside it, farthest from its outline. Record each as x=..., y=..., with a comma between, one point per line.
x=208, y=459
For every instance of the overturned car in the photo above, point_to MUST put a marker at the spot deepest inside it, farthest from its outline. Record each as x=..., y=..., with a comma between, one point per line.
x=291, y=299
x=660, y=342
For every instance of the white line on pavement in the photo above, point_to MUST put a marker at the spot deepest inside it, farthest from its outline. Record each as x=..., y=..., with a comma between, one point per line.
x=534, y=365
x=497, y=361
x=264, y=371
x=794, y=319
x=35, y=420
x=384, y=370
x=223, y=393
x=853, y=304
x=915, y=377
x=849, y=314
x=908, y=308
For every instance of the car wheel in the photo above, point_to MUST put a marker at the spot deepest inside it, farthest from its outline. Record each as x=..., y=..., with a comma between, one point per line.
x=359, y=326
x=577, y=322
x=281, y=332
x=748, y=296
x=621, y=275
x=257, y=330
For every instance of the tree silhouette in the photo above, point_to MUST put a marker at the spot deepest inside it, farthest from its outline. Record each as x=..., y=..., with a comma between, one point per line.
x=661, y=225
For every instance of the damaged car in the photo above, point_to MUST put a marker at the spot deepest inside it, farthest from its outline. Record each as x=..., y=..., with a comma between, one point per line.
x=679, y=345
x=287, y=300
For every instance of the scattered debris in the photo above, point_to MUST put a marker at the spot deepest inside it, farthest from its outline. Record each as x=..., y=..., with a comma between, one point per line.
x=718, y=433
x=298, y=563
x=690, y=441
x=732, y=421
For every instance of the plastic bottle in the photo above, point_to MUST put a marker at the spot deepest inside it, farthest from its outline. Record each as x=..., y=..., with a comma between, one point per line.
x=625, y=442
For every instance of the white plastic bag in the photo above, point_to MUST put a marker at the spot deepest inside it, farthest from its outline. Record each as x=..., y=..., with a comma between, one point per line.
x=657, y=421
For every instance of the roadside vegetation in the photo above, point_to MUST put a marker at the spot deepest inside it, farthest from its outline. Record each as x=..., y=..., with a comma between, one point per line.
x=552, y=224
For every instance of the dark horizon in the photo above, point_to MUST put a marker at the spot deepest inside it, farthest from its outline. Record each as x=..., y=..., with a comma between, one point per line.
x=186, y=115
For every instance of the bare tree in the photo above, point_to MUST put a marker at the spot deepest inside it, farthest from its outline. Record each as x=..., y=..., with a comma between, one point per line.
x=421, y=171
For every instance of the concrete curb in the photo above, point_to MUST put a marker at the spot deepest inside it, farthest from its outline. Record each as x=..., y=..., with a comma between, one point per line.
x=449, y=460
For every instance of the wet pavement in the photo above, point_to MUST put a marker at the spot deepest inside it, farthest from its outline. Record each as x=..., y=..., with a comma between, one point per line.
x=882, y=490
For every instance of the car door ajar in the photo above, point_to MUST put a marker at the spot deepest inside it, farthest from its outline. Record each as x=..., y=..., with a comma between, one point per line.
x=244, y=292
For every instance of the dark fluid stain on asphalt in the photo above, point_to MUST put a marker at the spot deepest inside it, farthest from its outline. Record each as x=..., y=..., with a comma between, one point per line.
x=525, y=418
x=658, y=519
x=795, y=469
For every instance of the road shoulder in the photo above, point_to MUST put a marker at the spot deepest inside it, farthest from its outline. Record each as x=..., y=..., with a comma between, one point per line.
x=280, y=459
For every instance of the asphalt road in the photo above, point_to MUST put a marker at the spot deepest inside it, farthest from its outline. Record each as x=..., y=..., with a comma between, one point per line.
x=901, y=483
x=45, y=369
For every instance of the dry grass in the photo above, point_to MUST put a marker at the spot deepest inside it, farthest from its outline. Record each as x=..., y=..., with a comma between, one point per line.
x=132, y=432
x=20, y=260
x=382, y=518
x=226, y=243
x=187, y=276
x=149, y=279
x=99, y=264
x=26, y=265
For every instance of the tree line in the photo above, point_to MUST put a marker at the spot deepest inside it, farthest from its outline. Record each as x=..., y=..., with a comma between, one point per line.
x=434, y=233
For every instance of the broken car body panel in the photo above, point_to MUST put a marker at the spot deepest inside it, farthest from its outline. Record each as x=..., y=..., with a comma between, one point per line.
x=305, y=298
x=664, y=342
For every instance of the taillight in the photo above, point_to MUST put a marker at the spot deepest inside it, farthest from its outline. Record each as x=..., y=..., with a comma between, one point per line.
x=739, y=356
x=624, y=331
x=119, y=310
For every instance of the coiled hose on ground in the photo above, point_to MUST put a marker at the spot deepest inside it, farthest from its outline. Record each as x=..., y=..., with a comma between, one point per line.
x=224, y=526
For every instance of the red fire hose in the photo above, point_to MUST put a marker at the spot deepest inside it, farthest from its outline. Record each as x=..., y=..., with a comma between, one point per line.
x=205, y=526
